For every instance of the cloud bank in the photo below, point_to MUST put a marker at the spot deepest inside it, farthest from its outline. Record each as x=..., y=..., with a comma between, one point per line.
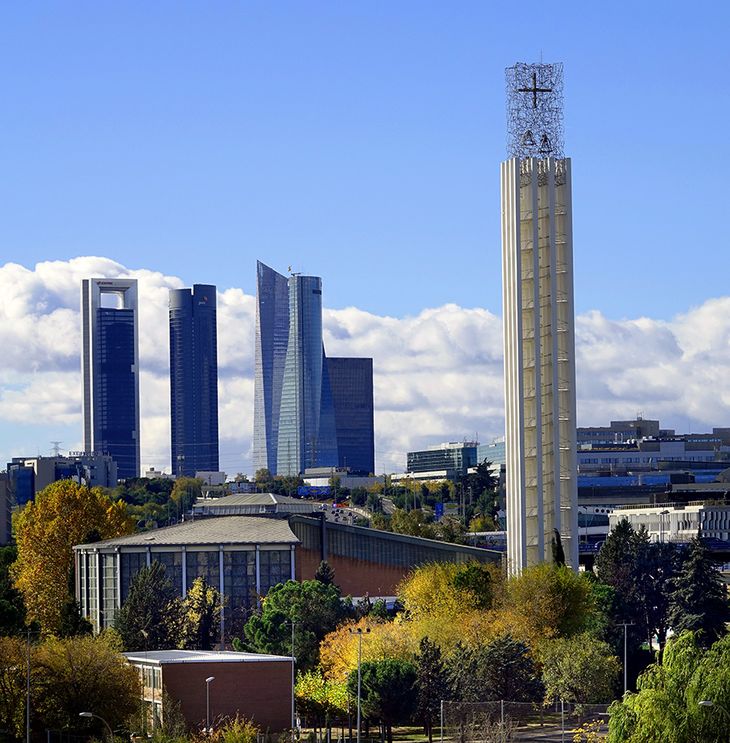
x=438, y=375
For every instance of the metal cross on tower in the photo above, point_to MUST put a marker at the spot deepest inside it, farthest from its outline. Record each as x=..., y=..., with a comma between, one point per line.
x=534, y=90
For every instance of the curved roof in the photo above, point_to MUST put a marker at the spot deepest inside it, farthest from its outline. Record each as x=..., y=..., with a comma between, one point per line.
x=220, y=530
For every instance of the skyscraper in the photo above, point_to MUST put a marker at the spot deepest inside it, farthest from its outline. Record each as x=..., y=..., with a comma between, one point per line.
x=351, y=382
x=110, y=370
x=194, y=380
x=539, y=343
x=296, y=403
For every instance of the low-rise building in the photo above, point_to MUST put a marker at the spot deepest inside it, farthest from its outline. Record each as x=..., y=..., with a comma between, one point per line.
x=29, y=475
x=252, y=504
x=453, y=457
x=210, y=687
x=240, y=556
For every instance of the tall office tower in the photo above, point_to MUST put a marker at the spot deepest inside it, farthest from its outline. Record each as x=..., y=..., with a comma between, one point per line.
x=351, y=382
x=110, y=369
x=294, y=425
x=194, y=380
x=272, y=338
x=306, y=417
x=539, y=343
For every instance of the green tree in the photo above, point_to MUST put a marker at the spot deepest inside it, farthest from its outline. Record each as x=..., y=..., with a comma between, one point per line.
x=477, y=580
x=579, y=670
x=508, y=671
x=151, y=617
x=12, y=685
x=387, y=692
x=462, y=675
x=325, y=573
x=666, y=706
x=82, y=674
x=12, y=609
x=62, y=515
x=319, y=700
x=315, y=609
x=699, y=600
x=201, y=616
x=185, y=492
x=431, y=685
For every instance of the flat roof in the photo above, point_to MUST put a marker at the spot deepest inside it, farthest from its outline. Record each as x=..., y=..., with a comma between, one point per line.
x=249, y=499
x=168, y=657
x=219, y=530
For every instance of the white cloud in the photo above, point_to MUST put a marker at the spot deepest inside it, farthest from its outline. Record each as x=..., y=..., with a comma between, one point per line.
x=438, y=375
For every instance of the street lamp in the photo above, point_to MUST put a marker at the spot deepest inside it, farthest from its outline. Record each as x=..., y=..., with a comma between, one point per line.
x=710, y=703
x=359, y=632
x=91, y=714
x=207, y=702
x=662, y=514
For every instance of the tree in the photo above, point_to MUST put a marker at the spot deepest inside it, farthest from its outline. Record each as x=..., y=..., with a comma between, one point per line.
x=666, y=706
x=201, y=616
x=62, y=515
x=12, y=685
x=387, y=691
x=579, y=670
x=319, y=699
x=325, y=573
x=641, y=573
x=315, y=609
x=12, y=609
x=185, y=492
x=431, y=684
x=546, y=601
x=508, y=672
x=557, y=549
x=151, y=617
x=699, y=601
x=84, y=673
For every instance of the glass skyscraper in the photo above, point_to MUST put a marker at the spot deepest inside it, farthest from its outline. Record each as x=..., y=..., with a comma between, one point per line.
x=194, y=380
x=295, y=425
x=110, y=369
x=351, y=382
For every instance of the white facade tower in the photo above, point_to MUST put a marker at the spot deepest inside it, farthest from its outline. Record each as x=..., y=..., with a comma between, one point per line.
x=539, y=328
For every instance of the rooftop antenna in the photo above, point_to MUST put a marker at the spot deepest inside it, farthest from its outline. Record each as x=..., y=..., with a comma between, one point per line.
x=56, y=450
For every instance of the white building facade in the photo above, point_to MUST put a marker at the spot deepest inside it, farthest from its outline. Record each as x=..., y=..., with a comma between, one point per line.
x=539, y=337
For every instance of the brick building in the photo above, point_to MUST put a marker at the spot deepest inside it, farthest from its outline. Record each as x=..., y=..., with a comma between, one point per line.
x=251, y=685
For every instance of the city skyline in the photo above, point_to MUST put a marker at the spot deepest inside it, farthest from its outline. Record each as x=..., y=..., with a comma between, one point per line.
x=439, y=374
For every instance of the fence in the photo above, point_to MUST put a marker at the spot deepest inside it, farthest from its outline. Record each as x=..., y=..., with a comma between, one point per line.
x=505, y=721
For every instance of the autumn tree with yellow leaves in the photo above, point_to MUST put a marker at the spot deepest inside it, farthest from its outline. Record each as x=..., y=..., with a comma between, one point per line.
x=62, y=515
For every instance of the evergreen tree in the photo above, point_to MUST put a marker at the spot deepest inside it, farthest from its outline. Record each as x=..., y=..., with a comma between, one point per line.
x=150, y=618
x=557, y=548
x=325, y=573
x=431, y=684
x=508, y=671
x=462, y=675
x=387, y=691
x=698, y=601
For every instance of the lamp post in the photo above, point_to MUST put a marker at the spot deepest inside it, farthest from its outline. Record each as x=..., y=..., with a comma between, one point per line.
x=98, y=717
x=710, y=703
x=207, y=703
x=293, y=661
x=662, y=514
x=626, y=626
x=359, y=632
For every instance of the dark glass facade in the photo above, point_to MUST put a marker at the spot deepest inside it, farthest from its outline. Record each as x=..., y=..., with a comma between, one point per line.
x=194, y=380
x=351, y=384
x=110, y=371
x=115, y=393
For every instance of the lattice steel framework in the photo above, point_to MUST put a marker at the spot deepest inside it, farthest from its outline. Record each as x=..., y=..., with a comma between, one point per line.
x=535, y=110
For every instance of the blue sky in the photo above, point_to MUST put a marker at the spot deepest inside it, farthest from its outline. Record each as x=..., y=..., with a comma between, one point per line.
x=361, y=141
